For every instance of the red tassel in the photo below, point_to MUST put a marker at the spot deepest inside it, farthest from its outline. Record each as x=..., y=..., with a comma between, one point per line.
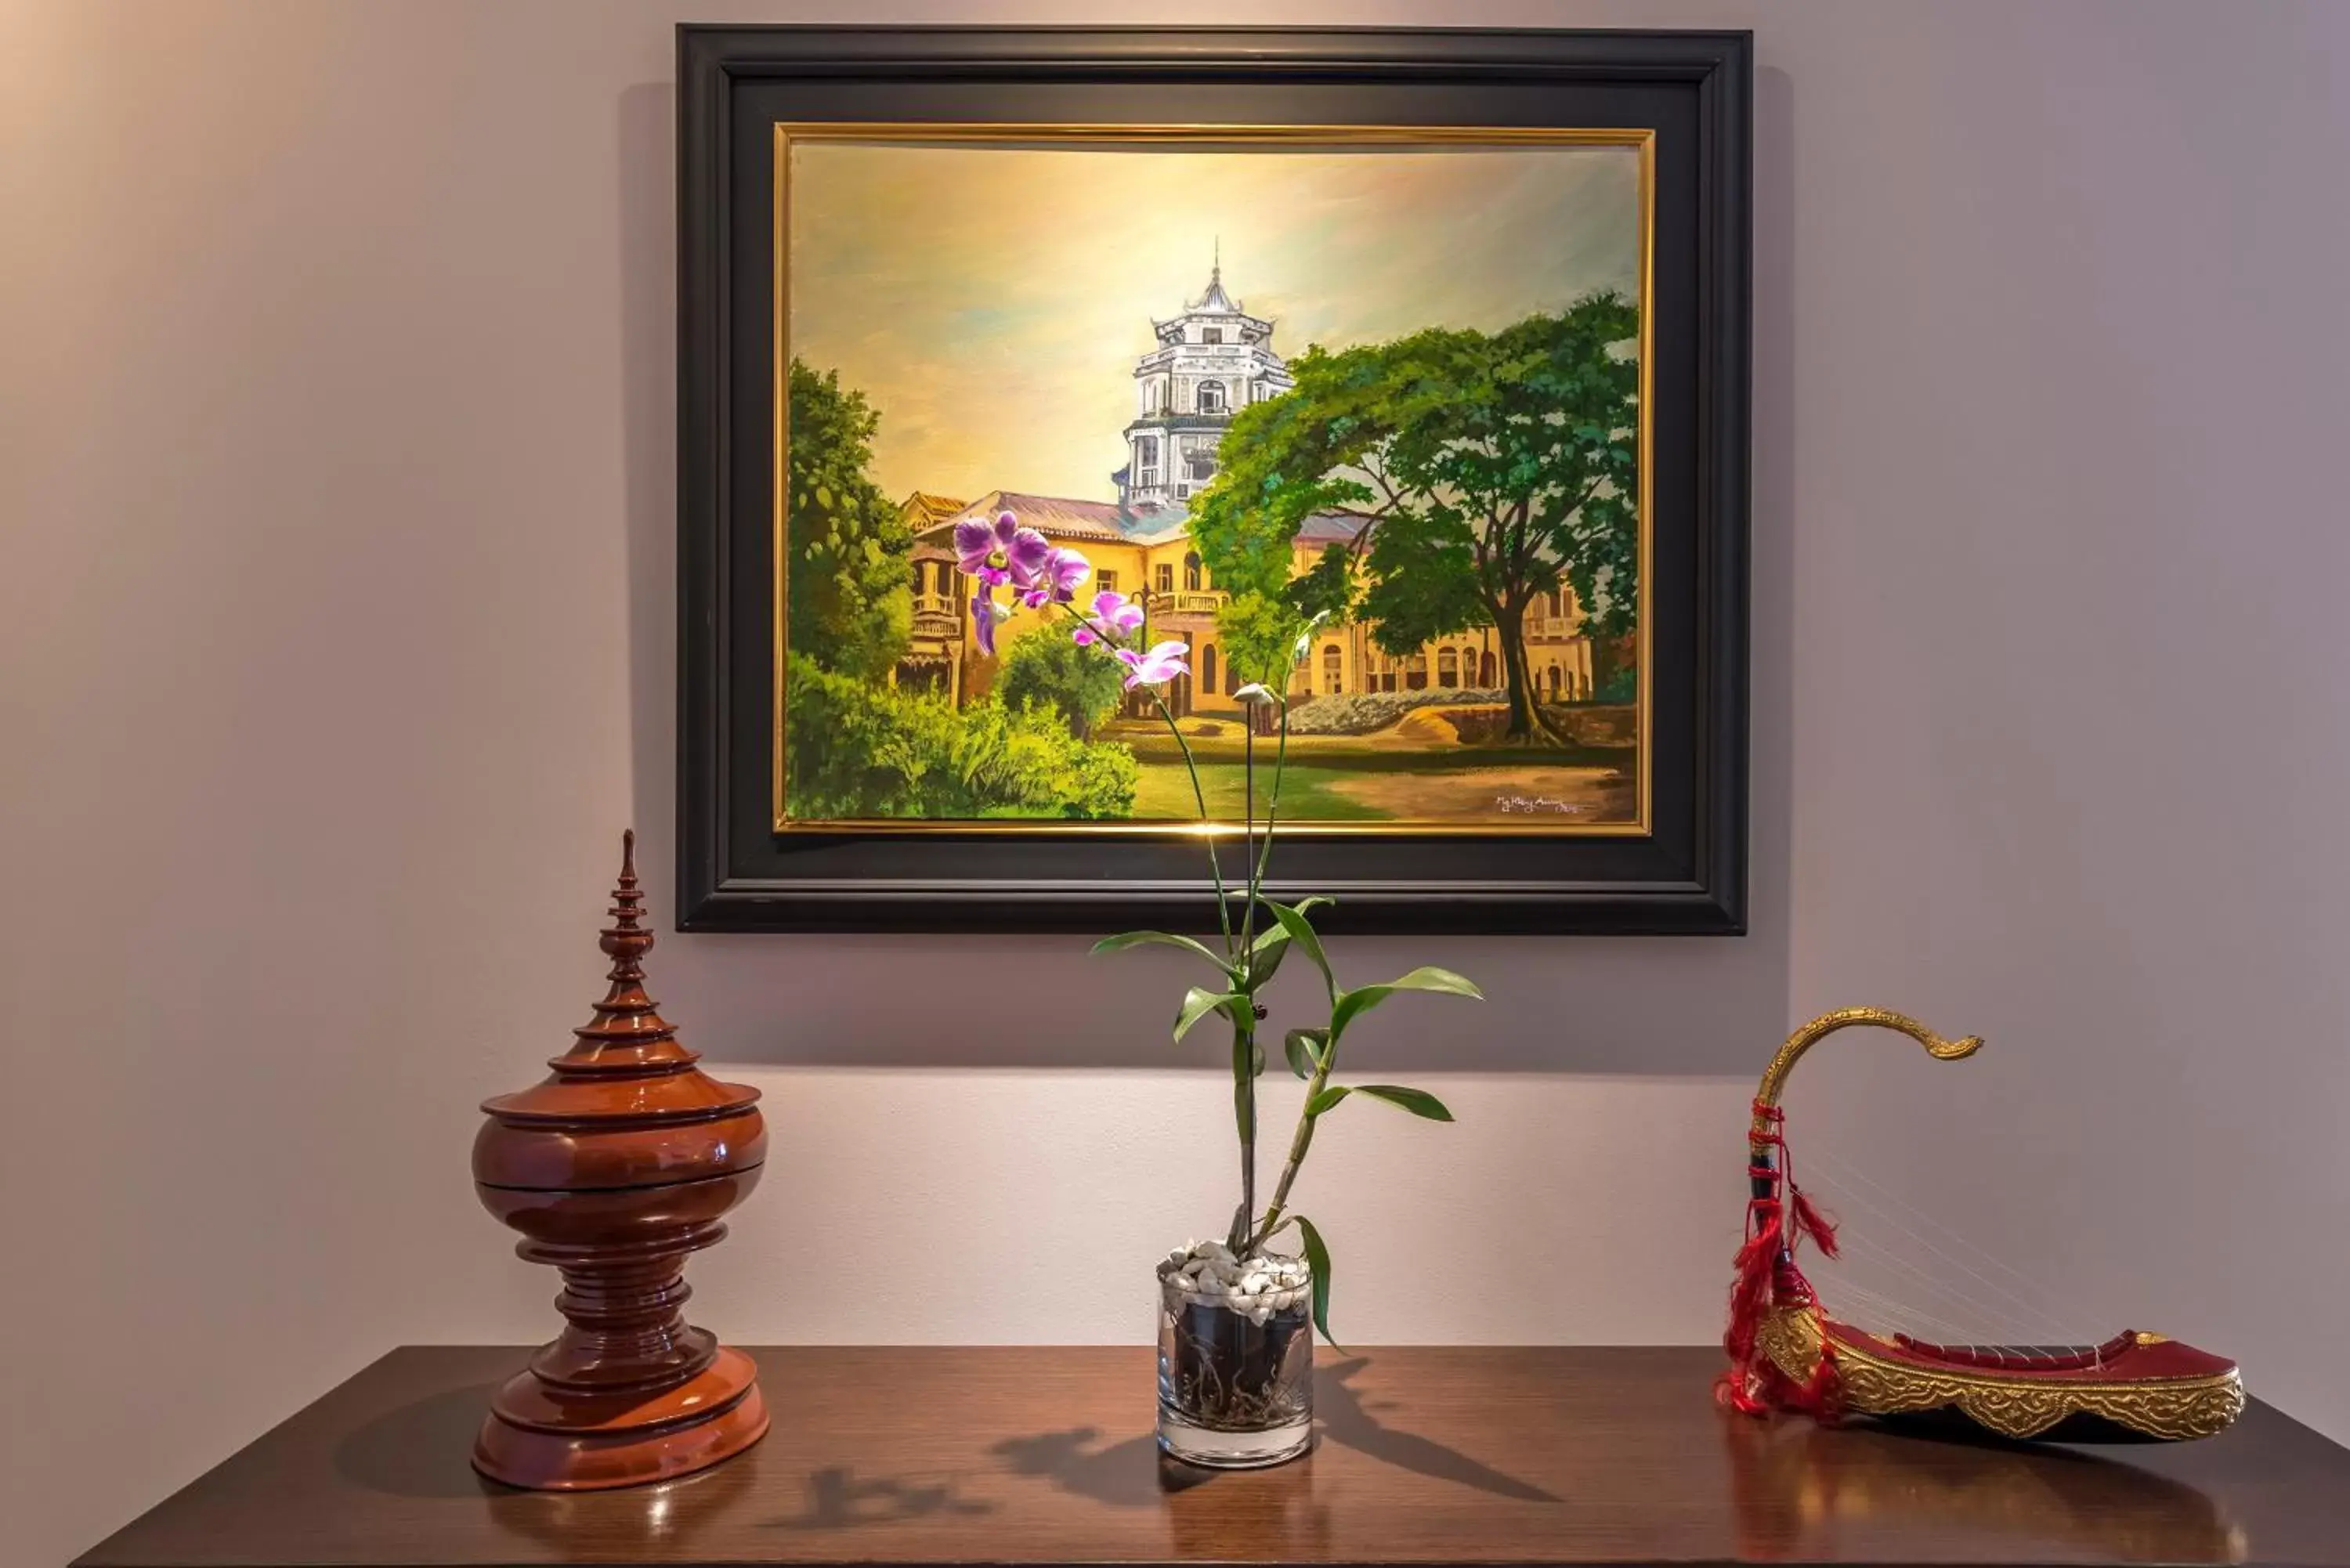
x=1809, y=1219
x=1766, y=1281
x=1751, y=1293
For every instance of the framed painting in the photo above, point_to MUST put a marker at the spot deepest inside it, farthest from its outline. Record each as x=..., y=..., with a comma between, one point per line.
x=1402, y=373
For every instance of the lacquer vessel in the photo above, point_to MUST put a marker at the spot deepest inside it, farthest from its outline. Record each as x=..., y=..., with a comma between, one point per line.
x=1788, y=1352
x=615, y=1169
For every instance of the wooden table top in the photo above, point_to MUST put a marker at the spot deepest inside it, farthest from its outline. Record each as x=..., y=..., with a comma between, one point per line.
x=1040, y=1455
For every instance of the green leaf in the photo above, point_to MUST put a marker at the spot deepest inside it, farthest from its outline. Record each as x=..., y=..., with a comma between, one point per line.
x=1304, y=1047
x=1126, y=939
x=1327, y=1098
x=1347, y=1005
x=1419, y=1102
x=1198, y=1004
x=1317, y=1258
x=1273, y=945
x=1301, y=931
x=1265, y=955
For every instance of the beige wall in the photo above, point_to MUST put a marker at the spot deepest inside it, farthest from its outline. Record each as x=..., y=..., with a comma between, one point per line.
x=336, y=466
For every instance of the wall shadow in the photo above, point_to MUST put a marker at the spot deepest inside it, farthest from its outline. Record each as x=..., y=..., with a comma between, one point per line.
x=1706, y=1007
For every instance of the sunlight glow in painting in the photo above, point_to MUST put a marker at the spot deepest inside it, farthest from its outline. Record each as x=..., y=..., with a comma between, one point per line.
x=1393, y=385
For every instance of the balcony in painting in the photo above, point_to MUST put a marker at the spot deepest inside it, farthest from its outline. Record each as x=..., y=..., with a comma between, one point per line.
x=936, y=619
x=1188, y=602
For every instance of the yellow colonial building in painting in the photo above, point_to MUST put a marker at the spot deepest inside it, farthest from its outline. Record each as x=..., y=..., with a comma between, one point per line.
x=1209, y=360
x=1149, y=553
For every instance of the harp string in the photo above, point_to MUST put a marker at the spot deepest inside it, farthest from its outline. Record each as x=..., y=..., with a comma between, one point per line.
x=1885, y=1313
x=2022, y=1309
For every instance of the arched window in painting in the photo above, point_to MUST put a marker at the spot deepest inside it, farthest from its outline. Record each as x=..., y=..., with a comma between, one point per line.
x=1415, y=672
x=1191, y=571
x=1552, y=675
x=1447, y=668
x=1334, y=669
x=1485, y=671
x=1212, y=396
x=1207, y=670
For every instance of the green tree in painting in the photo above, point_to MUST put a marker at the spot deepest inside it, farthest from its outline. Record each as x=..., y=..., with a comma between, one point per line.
x=848, y=598
x=1498, y=466
x=1045, y=669
x=1257, y=627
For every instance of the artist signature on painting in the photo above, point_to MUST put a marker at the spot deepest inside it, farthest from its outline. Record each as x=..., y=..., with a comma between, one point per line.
x=1534, y=804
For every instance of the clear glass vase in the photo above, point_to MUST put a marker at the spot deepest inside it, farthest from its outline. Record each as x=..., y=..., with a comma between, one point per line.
x=1235, y=1362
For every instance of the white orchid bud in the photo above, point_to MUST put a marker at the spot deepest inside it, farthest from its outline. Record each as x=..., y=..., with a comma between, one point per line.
x=1305, y=643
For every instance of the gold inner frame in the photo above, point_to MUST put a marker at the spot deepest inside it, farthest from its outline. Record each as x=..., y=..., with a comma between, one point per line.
x=1208, y=138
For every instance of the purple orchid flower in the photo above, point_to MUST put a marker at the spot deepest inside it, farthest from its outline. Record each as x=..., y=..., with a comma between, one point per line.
x=1115, y=615
x=986, y=615
x=1161, y=664
x=977, y=541
x=1027, y=558
x=1064, y=574
x=1001, y=545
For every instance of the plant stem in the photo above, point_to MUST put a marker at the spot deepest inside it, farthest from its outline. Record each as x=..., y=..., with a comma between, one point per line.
x=1243, y=1034
x=1191, y=767
x=1215, y=865
x=1272, y=806
x=1303, y=1135
x=1237, y=953
x=1299, y=1142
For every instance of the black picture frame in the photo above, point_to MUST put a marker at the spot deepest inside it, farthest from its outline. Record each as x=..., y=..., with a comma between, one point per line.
x=1687, y=875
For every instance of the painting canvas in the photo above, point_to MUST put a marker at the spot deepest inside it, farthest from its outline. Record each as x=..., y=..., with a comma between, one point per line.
x=1376, y=398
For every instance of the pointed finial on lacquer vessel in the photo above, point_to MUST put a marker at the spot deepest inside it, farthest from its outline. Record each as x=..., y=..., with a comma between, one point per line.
x=626, y=1015
x=627, y=941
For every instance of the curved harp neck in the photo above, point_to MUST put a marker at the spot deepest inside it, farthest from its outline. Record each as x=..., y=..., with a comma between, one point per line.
x=1774, y=1078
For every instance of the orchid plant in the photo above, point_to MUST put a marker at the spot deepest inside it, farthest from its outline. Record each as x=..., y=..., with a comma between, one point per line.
x=1005, y=557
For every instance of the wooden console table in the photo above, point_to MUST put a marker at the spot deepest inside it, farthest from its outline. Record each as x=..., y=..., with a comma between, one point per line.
x=1045, y=1455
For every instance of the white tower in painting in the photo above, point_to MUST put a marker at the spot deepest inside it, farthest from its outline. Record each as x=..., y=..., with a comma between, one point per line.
x=1212, y=360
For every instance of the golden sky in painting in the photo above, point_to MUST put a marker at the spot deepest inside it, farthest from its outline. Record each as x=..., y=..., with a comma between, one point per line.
x=991, y=300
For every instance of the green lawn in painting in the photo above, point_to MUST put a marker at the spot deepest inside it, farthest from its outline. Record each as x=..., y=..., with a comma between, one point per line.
x=1340, y=778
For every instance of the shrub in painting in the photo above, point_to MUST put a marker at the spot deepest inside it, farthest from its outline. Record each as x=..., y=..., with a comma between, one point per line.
x=858, y=750
x=1045, y=669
